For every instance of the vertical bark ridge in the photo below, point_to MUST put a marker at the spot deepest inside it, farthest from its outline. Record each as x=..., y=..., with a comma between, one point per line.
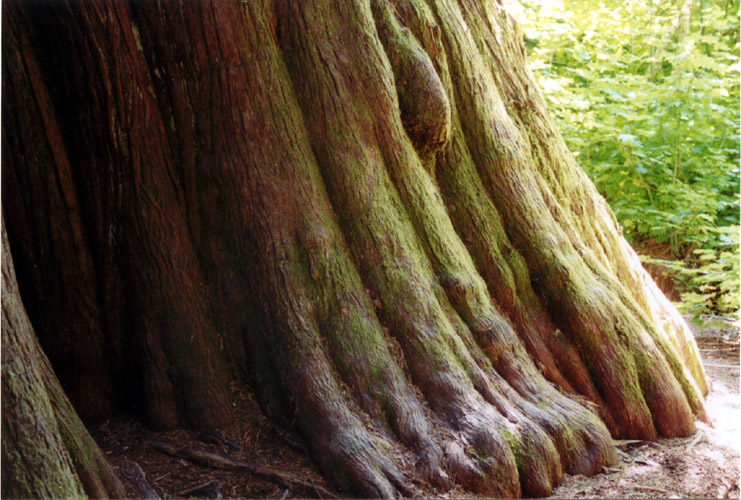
x=502, y=149
x=372, y=215
x=508, y=380
x=430, y=221
x=304, y=293
x=479, y=223
x=424, y=106
x=580, y=206
x=604, y=252
x=536, y=452
x=465, y=295
x=184, y=53
x=503, y=162
x=165, y=281
x=29, y=428
x=359, y=349
x=337, y=438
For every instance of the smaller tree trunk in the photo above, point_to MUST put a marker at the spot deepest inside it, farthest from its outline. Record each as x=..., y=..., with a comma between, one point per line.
x=683, y=20
x=46, y=451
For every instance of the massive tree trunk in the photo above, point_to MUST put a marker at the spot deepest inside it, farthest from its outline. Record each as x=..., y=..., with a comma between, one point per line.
x=362, y=208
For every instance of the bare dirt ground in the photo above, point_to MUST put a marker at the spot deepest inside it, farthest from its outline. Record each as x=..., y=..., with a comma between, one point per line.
x=705, y=465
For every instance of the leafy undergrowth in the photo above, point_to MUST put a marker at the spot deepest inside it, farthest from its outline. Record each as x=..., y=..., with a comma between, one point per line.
x=647, y=98
x=705, y=286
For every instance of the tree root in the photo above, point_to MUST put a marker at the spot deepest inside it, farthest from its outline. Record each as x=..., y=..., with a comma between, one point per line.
x=140, y=478
x=211, y=436
x=216, y=461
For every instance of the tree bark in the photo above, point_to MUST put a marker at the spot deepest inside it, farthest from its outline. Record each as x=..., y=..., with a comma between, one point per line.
x=362, y=208
x=46, y=451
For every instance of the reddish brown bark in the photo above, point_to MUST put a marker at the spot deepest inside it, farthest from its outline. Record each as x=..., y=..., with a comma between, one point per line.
x=120, y=200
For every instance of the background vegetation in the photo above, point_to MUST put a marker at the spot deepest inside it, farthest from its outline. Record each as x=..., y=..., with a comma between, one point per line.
x=647, y=96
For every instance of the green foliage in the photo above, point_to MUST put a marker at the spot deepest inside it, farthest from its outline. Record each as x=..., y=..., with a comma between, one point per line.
x=712, y=283
x=652, y=113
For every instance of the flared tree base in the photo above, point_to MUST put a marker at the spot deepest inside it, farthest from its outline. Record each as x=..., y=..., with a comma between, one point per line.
x=362, y=208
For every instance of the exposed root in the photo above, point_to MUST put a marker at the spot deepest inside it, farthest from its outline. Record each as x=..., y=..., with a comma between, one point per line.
x=216, y=461
x=140, y=478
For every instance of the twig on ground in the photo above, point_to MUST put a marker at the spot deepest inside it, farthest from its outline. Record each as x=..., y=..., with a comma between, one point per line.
x=208, y=489
x=648, y=462
x=627, y=443
x=700, y=435
x=658, y=446
x=657, y=490
x=211, y=436
x=624, y=456
x=161, y=477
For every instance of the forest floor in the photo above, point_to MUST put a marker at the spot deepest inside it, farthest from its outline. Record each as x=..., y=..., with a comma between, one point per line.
x=705, y=465
x=125, y=440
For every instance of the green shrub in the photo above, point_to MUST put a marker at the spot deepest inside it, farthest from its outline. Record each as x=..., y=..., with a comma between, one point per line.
x=652, y=115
